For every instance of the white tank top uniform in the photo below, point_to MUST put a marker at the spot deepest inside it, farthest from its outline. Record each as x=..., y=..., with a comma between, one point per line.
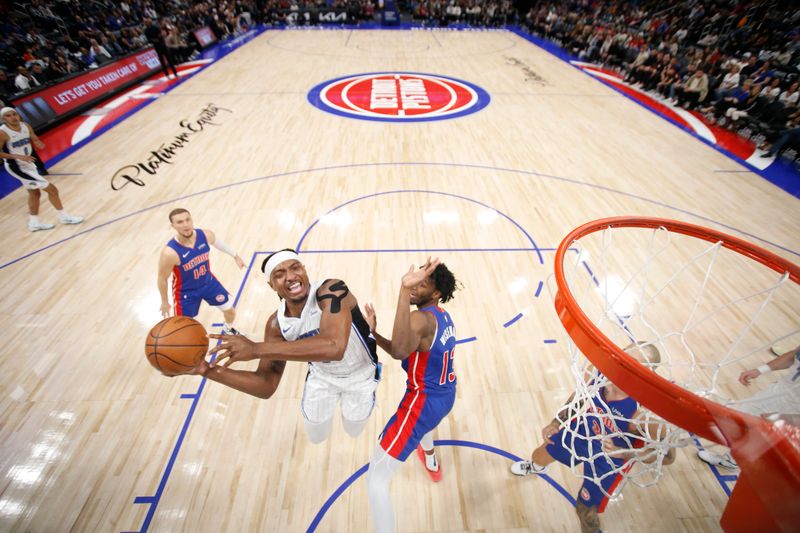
x=351, y=381
x=19, y=143
x=359, y=358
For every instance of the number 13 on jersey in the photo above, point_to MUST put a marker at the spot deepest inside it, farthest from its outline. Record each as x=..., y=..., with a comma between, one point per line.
x=448, y=374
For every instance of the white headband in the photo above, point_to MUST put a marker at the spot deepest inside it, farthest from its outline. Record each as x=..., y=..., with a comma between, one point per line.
x=6, y=110
x=277, y=259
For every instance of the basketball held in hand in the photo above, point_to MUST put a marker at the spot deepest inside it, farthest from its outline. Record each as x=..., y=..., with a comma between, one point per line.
x=176, y=345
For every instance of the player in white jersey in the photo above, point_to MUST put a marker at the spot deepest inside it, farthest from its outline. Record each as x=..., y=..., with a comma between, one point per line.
x=778, y=401
x=320, y=323
x=16, y=139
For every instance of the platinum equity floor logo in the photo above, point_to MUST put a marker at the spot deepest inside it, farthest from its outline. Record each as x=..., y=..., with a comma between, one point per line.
x=398, y=97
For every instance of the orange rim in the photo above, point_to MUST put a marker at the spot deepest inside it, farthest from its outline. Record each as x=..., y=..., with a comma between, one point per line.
x=676, y=404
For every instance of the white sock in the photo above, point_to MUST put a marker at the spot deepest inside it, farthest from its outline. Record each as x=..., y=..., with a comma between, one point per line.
x=228, y=326
x=427, y=445
x=34, y=219
x=62, y=214
x=431, y=462
x=382, y=468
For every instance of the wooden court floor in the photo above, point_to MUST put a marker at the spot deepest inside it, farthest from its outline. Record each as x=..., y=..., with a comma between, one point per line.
x=93, y=439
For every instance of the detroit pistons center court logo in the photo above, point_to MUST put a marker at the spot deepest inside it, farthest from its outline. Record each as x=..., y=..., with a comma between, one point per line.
x=398, y=97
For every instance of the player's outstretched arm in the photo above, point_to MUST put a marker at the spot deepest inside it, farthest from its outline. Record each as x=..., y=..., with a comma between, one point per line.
x=222, y=247
x=410, y=326
x=264, y=381
x=334, y=300
x=781, y=362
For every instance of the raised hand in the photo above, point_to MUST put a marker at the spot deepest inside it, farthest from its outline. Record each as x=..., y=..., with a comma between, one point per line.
x=413, y=277
x=233, y=348
x=370, y=317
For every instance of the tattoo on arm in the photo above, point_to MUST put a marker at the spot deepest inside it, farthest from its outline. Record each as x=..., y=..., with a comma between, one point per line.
x=590, y=520
x=339, y=292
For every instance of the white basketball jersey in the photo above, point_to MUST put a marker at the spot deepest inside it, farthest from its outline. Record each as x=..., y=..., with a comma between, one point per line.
x=19, y=143
x=360, y=353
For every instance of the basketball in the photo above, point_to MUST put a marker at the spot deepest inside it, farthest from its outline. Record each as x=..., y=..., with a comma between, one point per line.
x=176, y=344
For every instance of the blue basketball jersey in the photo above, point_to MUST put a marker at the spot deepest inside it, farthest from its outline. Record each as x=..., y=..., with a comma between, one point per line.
x=194, y=271
x=432, y=371
x=615, y=421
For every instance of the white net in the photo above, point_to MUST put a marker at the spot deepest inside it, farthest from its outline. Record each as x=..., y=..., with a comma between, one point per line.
x=708, y=312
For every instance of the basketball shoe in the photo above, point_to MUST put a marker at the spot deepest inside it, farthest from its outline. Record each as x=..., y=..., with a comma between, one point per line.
x=39, y=226
x=779, y=349
x=436, y=475
x=526, y=468
x=226, y=330
x=714, y=459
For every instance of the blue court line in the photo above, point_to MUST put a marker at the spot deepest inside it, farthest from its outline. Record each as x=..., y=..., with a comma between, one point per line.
x=463, y=443
x=721, y=479
x=155, y=499
x=423, y=191
x=510, y=322
x=550, y=341
x=368, y=165
x=539, y=289
x=780, y=176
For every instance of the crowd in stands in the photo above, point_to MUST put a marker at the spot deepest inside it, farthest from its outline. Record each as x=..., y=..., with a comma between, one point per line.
x=736, y=62
x=44, y=41
x=488, y=13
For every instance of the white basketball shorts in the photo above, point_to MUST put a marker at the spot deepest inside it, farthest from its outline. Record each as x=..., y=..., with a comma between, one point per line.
x=323, y=391
x=26, y=173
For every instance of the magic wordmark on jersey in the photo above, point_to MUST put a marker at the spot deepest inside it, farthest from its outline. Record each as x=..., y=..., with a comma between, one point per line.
x=398, y=97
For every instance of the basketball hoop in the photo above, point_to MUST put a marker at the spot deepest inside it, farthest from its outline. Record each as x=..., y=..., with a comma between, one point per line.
x=712, y=304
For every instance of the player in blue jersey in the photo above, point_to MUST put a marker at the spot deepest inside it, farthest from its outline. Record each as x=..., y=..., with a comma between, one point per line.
x=425, y=341
x=571, y=441
x=186, y=259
